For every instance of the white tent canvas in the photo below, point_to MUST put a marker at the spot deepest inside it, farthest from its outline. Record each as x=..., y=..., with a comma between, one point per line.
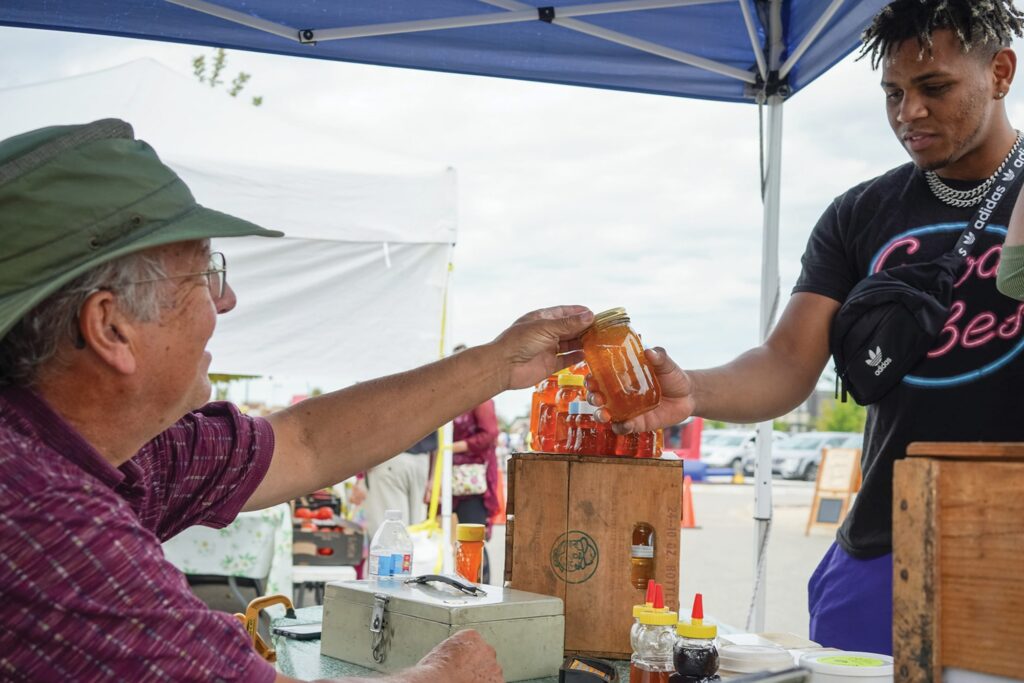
x=355, y=289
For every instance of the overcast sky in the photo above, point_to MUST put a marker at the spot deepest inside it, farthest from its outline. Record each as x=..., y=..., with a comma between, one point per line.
x=567, y=194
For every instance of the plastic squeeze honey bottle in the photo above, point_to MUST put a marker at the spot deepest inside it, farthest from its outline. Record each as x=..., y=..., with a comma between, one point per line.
x=616, y=359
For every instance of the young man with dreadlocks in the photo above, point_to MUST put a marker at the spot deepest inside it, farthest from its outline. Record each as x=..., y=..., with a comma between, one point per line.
x=946, y=69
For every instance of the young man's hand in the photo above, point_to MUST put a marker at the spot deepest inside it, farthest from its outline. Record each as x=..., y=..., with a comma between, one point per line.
x=676, y=397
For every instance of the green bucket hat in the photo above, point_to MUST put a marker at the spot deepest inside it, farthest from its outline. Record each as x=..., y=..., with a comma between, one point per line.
x=74, y=197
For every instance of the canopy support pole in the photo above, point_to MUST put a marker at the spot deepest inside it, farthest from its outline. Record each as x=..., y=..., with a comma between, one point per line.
x=769, y=307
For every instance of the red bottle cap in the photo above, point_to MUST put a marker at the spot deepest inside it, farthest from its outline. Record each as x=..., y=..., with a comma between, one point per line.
x=659, y=597
x=698, y=607
x=650, y=592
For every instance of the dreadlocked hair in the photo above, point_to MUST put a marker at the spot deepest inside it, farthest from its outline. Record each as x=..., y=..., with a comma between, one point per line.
x=975, y=23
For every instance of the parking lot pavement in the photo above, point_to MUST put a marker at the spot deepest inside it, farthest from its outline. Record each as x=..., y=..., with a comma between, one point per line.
x=717, y=559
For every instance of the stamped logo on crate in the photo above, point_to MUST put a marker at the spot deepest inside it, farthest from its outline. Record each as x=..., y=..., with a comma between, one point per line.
x=574, y=557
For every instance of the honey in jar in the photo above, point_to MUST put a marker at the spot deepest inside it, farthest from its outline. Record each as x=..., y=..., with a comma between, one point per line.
x=616, y=359
x=543, y=394
x=572, y=437
x=645, y=445
x=604, y=439
x=570, y=388
x=586, y=431
x=641, y=555
x=626, y=445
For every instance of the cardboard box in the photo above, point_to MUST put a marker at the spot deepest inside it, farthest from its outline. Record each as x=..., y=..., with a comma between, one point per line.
x=569, y=534
x=524, y=628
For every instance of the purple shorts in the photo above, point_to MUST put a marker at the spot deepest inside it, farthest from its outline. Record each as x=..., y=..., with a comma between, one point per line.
x=850, y=602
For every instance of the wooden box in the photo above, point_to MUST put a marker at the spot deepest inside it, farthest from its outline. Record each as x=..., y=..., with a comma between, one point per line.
x=958, y=560
x=569, y=533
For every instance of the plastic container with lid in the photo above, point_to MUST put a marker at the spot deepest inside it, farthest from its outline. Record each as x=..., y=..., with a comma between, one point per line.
x=554, y=433
x=586, y=431
x=749, y=659
x=644, y=606
x=652, y=657
x=469, y=551
x=543, y=394
x=616, y=359
x=837, y=666
x=695, y=654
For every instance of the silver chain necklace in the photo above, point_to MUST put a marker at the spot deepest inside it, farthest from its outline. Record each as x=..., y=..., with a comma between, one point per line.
x=966, y=198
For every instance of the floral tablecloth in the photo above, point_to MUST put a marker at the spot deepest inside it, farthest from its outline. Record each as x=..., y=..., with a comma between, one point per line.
x=256, y=545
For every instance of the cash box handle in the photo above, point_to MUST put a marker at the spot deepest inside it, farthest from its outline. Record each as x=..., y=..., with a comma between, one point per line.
x=465, y=587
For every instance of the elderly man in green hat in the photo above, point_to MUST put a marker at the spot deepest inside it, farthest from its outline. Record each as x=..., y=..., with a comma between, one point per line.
x=108, y=296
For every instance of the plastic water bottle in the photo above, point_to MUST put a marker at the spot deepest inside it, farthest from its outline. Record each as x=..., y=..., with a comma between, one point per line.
x=391, y=549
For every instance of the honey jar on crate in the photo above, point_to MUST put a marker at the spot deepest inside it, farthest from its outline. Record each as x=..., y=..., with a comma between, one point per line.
x=616, y=360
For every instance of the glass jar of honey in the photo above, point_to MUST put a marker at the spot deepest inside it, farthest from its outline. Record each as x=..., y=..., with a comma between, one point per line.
x=616, y=360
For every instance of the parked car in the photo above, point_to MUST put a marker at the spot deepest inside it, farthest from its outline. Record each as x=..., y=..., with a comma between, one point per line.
x=730, y=447
x=800, y=457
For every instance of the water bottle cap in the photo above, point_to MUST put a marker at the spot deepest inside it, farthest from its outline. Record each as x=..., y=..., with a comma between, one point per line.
x=574, y=407
x=393, y=514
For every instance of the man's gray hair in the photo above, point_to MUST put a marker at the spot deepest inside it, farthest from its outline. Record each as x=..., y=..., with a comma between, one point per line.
x=34, y=340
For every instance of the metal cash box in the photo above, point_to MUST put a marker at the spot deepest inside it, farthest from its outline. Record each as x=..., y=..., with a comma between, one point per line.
x=388, y=626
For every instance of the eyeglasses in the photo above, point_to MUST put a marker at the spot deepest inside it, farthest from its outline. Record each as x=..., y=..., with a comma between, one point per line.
x=216, y=278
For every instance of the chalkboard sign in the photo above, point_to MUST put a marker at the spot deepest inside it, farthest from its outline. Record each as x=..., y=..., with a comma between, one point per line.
x=838, y=479
x=830, y=511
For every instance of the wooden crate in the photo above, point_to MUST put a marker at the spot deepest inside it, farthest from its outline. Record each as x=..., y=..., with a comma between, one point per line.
x=593, y=503
x=958, y=558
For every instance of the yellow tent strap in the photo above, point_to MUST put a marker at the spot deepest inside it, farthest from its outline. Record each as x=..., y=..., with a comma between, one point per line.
x=435, y=488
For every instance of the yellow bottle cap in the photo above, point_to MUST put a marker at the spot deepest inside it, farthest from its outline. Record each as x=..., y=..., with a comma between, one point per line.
x=470, y=532
x=658, y=618
x=641, y=608
x=568, y=380
x=696, y=628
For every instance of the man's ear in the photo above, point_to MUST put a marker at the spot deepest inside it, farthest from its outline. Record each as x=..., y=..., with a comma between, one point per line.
x=108, y=332
x=1004, y=66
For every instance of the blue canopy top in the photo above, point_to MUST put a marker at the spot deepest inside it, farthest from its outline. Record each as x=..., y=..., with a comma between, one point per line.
x=649, y=46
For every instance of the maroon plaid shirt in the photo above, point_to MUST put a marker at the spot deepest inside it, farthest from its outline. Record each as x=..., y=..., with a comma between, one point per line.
x=85, y=591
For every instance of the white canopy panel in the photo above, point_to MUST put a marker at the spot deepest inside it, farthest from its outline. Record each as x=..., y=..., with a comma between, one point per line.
x=355, y=289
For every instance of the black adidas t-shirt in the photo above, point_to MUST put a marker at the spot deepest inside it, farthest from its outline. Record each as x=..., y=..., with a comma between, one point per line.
x=968, y=388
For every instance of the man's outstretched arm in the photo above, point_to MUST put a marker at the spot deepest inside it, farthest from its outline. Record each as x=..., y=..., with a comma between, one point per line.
x=327, y=439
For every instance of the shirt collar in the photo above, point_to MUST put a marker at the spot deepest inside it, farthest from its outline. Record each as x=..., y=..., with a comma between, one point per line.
x=48, y=427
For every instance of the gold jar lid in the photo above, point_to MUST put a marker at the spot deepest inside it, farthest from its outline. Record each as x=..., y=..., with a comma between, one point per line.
x=604, y=319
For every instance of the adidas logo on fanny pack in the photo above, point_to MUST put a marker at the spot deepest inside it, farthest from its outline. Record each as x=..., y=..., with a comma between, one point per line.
x=875, y=360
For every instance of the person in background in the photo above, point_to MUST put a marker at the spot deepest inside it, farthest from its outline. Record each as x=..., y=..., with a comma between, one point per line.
x=946, y=71
x=474, y=439
x=108, y=296
x=398, y=484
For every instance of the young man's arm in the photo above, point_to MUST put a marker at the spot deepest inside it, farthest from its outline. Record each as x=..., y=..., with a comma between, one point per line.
x=761, y=384
x=327, y=439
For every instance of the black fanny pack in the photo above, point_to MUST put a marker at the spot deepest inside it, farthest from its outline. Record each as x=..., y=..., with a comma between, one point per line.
x=891, y=319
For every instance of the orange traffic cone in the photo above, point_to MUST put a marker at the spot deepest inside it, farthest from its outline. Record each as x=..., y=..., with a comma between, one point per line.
x=689, y=520
x=499, y=516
